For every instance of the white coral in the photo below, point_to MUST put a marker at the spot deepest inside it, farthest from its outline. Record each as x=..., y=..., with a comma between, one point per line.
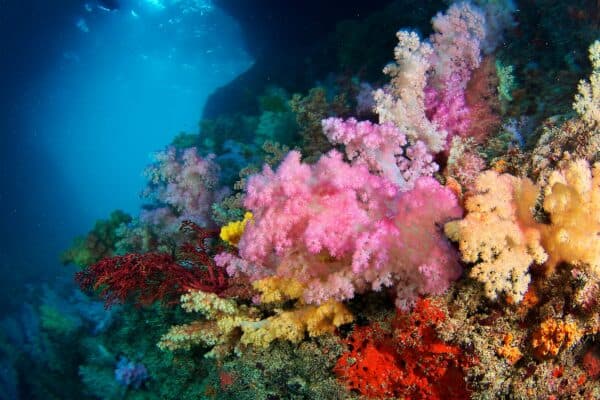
x=587, y=102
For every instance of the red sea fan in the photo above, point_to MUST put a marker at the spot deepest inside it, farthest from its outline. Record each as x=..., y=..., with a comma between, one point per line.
x=196, y=253
x=147, y=278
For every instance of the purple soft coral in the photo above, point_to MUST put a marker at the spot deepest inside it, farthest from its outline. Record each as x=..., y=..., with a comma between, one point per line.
x=184, y=185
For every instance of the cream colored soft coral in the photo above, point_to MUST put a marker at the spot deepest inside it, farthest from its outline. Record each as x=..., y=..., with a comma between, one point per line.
x=228, y=324
x=404, y=103
x=587, y=102
x=572, y=199
x=499, y=234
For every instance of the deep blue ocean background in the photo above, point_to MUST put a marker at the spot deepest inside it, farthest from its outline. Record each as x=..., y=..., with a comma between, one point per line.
x=87, y=95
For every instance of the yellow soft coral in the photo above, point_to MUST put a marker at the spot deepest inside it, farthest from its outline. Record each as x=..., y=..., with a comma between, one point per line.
x=232, y=232
x=274, y=289
x=293, y=325
x=220, y=330
x=553, y=335
x=228, y=324
x=499, y=234
x=572, y=199
x=587, y=102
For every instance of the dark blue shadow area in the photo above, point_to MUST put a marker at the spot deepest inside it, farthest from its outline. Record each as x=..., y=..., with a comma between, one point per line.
x=87, y=95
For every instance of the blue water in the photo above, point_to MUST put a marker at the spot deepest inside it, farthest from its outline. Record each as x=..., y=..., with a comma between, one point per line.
x=88, y=94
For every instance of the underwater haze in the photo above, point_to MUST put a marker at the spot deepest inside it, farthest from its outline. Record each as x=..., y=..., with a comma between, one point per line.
x=89, y=92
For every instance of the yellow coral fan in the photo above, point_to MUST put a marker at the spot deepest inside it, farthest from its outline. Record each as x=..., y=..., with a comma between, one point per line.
x=500, y=234
x=572, y=199
x=587, y=102
x=232, y=232
x=553, y=335
x=229, y=324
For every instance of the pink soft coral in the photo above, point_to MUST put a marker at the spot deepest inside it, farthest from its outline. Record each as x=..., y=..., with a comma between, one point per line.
x=381, y=147
x=456, y=43
x=339, y=229
x=426, y=97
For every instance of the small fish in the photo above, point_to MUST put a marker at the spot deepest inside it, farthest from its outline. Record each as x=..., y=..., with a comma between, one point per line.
x=82, y=25
x=108, y=5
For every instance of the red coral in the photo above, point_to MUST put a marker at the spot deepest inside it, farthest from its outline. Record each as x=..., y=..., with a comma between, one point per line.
x=411, y=363
x=196, y=253
x=482, y=99
x=147, y=278
x=369, y=366
x=591, y=362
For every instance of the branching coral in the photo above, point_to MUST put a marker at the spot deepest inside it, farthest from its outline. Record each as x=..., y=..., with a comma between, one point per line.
x=150, y=277
x=500, y=234
x=143, y=278
x=382, y=237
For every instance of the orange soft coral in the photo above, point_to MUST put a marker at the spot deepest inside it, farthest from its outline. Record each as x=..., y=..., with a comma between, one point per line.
x=511, y=353
x=554, y=335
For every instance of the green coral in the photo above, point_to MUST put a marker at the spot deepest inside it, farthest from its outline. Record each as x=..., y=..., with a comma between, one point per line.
x=507, y=82
x=310, y=110
x=54, y=321
x=185, y=140
x=173, y=376
x=99, y=243
x=283, y=370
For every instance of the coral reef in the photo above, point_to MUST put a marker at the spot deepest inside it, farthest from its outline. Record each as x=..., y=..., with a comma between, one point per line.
x=432, y=234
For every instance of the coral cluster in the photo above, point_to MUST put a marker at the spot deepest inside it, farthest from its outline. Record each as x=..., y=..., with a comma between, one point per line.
x=501, y=235
x=383, y=237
